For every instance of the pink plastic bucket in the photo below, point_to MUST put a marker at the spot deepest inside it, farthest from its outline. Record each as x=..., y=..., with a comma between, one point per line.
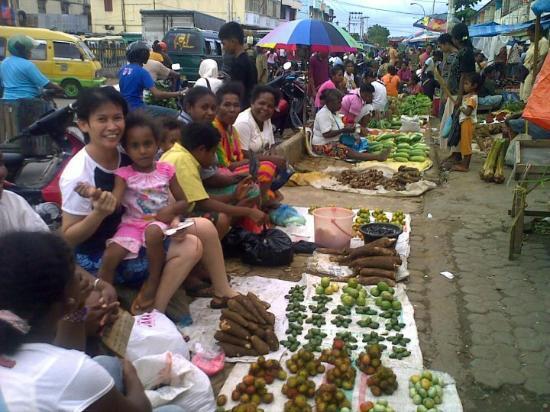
x=333, y=227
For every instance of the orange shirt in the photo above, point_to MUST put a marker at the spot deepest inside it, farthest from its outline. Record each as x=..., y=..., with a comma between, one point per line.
x=392, y=84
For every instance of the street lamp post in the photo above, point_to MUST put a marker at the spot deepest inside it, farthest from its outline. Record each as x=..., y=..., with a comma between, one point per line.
x=421, y=6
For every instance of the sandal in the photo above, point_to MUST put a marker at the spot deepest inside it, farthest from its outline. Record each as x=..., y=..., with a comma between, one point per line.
x=138, y=307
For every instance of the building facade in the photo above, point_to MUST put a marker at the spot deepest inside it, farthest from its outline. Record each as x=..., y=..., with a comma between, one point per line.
x=316, y=9
x=72, y=16
x=118, y=16
x=505, y=12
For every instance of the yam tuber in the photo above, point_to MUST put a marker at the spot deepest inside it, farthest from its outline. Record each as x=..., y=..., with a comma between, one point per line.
x=234, y=351
x=271, y=340
x=326, y=251
x=233, y=328
x=235, y=306
x=382, y=242
x=227, y=338
x=380, y=262
x=370, y=250
x=249, y=306
x=234, y=316
x=260, y=308
x=374, y=280
x=369, y=272
x=259, y=345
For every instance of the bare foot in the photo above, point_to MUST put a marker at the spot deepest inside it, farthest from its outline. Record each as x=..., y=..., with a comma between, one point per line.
x=144, y=301
x=460, y=168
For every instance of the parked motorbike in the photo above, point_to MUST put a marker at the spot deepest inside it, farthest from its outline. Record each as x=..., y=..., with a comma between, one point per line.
x=292, y=86
x=36, y=158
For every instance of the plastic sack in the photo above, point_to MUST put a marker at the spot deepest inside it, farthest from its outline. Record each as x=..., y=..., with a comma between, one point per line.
x=453, y=139
x=536, y=109
x=170, y=379
x=410, y=124
x=232, y=242
x=286, y=215
x=510, y=158
x=154, y=333
x=447, y=127
x=272, y=247
x=210, y=361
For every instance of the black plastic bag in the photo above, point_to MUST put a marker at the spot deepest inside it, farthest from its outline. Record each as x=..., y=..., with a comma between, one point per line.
x=454, y=135
x=272, y=247
x=232, y=243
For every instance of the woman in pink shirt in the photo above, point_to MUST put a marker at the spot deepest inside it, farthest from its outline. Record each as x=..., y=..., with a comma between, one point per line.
x=353, y=103
x=335, y=82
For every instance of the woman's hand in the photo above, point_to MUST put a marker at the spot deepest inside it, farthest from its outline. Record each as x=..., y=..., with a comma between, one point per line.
x=349, y=129
x=105, y=204
x=258, y=216
x=244, y=186
x=107, y=292
x=99, y=316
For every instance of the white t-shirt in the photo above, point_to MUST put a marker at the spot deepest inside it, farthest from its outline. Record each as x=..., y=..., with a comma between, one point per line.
x=250, y=135
x=16, y=214
x=81, y=168
x=365, y=110
x=215, y=84
x=157, y=70
x=430, y=65
x=380, y=96
x=48, y=378
x=325, y=121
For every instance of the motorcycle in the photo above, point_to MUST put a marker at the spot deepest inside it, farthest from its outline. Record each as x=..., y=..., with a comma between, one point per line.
x=36, y=158
x=293, y=91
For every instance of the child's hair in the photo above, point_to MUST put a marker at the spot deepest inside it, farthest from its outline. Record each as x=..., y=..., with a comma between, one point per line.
x=232, y=30
x=392, y=70
x=348, y=62
x=263, y=88
x=138, y=118
x=462, y=35
x=35, y=268
x=195, y=94
x=366, y=88
x=334, y=70
x=235, y=88
x=474, y=79
x=196, y=135
x=167, y=124
x=91, y=99
x=369, y=74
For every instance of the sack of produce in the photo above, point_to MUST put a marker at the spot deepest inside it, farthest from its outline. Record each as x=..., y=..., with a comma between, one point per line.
x=272, y=247
x=286, y=215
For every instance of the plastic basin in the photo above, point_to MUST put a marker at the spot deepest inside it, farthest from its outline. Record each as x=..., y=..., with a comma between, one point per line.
x=333, y=227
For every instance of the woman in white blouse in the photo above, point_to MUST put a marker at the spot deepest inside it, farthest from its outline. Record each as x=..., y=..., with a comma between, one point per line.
x=254, y=126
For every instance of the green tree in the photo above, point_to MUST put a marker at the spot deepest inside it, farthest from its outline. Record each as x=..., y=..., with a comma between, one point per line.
x=464, y=9
x=378, y=35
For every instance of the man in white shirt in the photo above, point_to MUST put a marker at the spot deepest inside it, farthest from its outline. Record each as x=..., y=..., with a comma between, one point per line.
x=380, y=95
x=15, y=212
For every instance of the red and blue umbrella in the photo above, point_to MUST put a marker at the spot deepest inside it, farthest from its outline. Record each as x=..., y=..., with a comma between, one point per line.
x=316, y=34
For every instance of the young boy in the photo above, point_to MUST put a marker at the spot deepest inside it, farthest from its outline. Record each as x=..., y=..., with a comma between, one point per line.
x=349, y=75
x=242, y=70
x=468, y=119
x=171, y=133
x=199, y=143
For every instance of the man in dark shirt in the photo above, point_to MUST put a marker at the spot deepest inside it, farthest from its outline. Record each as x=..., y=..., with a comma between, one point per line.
x=242, y=70
x=318, y=71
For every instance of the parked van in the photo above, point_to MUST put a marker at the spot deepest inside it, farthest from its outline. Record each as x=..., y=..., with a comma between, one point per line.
x=190, y=46
x=61, y=57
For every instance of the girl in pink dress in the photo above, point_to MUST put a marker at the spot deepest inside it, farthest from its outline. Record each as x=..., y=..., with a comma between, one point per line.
x=143, y=188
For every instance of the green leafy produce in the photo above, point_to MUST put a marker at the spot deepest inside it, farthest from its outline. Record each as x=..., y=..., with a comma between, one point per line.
x=487, y=172
x=416, y=105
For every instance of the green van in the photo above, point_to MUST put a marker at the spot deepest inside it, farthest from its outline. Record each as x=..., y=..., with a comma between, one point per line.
x=190, y=46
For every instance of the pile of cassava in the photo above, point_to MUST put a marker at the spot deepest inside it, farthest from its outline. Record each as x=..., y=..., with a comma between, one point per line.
x=246, y=327
x=371, y=179
x=374, y=262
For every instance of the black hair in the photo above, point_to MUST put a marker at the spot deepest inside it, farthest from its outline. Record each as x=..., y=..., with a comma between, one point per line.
x=90, y=99
x=232, y=30
x=235, y=88
x=156, y=46
x=430, y=75
x=167, y=123
x=196, y=135
x=328, y=94
x=445, y=38
x=416, y=78
x=474, y=78
x=392, y=70
x=195, y=94
x=369, y=73
x=347, y=62
x=438, y=54
x=35, y=268
x=461, y=34
x=334, y=70
x=366, y=88
x=139, y=118
x=263, y=88
x=138, y=55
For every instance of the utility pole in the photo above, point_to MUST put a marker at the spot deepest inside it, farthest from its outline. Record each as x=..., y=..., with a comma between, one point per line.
x=450, y=14
x=349, y=22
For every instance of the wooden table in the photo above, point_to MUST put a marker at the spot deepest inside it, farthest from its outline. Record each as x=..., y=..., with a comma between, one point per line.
x=532, y=170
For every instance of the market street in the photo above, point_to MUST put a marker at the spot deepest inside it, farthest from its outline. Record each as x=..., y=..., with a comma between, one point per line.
x=489, y=326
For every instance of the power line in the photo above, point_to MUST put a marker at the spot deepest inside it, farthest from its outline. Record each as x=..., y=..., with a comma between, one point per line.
x=379, y=9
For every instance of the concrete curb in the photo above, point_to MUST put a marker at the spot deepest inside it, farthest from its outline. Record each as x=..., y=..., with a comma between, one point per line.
x=293, y=148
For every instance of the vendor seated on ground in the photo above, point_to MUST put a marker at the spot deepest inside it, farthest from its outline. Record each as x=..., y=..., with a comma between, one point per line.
x=198, y=148
x=488, y=97
x=328, y=128
x=357, y=107
x=231, y=158
x=516, y=125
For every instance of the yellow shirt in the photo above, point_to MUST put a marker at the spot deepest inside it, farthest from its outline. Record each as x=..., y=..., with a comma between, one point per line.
x=156, y=56
x=187, y=173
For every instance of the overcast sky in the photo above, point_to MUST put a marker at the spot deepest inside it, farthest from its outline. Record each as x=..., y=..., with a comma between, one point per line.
x=399, y=23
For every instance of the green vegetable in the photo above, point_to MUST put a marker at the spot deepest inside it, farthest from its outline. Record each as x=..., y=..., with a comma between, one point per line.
x=401, y=159
x=417, y=159
x=416, y=105
x=499, y=168
x=487, y=172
